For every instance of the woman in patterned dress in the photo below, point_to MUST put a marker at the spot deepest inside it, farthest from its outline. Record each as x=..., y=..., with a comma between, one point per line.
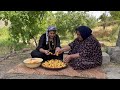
x=84, y=52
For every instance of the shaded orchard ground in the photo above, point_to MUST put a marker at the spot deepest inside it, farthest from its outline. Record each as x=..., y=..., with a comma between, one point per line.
x=112, y=69
x=17, y=58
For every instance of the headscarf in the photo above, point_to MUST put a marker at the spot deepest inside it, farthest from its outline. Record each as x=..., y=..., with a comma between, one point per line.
x=50, y=28
x=84, y=31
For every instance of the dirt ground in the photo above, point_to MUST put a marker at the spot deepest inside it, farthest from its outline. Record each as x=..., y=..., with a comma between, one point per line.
x=112, y=70
x=15, y=59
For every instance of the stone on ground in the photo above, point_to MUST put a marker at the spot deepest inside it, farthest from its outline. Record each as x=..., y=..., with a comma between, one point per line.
x=114, y=53
x=106, y=58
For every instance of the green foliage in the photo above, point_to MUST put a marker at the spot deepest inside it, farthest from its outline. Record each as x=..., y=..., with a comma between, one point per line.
x=4, y=34
x=25, y=25
x=104, y=19
x=67, y=22
x=4, y=42
x=115, y=15
x=114, y=35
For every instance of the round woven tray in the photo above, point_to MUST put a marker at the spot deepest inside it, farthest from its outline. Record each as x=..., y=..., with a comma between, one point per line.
x=54, y=68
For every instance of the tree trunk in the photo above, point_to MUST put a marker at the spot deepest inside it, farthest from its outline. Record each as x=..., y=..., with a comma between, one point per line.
x=118, y=40
x=104, y=25
x=34, y=39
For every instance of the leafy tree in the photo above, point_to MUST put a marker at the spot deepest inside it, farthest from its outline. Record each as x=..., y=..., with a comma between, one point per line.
x=116, y=16
x=67, y=22
x=104, y=18
x=25, y=25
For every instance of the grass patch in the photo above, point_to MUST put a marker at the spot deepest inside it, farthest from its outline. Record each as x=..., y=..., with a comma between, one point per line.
x=6, y=45
x=4, y=34
x=108, y=36
x=4, y=42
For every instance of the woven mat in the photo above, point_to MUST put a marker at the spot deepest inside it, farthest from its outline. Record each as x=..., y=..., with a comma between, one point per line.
x=91, y=73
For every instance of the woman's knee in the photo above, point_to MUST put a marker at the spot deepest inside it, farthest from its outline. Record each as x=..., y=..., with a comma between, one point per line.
x=81, y=65
x=35, y=54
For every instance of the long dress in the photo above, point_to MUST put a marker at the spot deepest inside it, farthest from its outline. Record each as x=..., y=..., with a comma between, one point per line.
x=89, y=51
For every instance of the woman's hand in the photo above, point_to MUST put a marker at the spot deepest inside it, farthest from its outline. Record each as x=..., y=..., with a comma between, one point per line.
x=46, y=52
x=72, y=56
x=68, y=58
x=59, y=51
x=64, y=49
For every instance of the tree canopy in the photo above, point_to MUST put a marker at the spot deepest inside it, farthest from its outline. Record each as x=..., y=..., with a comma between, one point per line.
x=27, y=25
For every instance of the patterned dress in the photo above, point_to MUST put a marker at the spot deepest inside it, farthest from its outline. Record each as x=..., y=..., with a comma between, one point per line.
x=89, y=51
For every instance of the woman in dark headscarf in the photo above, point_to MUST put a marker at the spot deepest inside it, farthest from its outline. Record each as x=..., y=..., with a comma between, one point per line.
x=48, y=46
x=85, y=51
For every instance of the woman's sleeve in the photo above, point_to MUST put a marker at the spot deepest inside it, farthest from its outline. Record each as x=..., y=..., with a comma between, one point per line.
x=72, y=44
x=41, y=42
x=57, y=41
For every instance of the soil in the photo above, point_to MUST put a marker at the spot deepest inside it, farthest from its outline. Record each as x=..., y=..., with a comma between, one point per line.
x=112, y=69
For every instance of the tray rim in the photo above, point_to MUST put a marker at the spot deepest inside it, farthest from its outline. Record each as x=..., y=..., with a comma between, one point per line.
x=53, y=68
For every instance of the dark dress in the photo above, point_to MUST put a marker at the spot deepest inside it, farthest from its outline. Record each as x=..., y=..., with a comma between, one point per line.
x=42, y=44
x=89, y=51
